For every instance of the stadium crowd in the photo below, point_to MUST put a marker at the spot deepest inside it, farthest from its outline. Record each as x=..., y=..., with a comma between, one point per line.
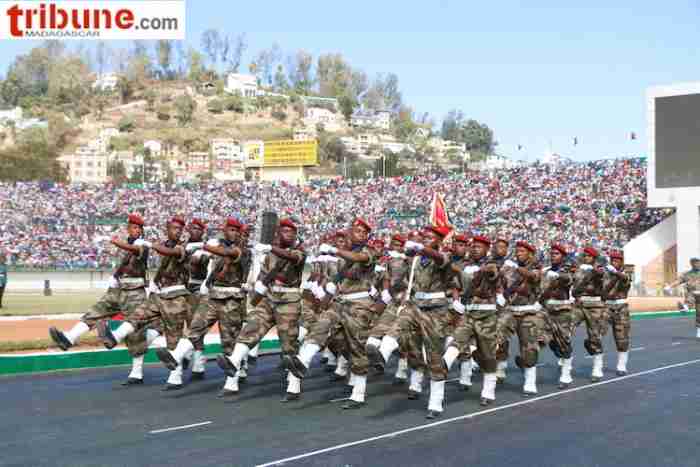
x=600, y=203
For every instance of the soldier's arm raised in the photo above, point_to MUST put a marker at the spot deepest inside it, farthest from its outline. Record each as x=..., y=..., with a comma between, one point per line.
x=220, y=250
x=126, y=246
x=353, y=257
x=177, y=250
x=292, y=256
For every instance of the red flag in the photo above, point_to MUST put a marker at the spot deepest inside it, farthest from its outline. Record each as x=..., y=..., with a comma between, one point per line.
x=438, y=212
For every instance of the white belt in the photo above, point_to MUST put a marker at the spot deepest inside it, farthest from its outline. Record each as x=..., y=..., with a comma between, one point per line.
x=558, y=302
x=481, y=307
x=589, y=299
x=620, y=301
x=355, y=296
x=429, y=295
x=132, y=281
x=525, y=308
x=696, y=292
x=172, y=288
x=217, y=288
x=195, y=282
x=279, y=288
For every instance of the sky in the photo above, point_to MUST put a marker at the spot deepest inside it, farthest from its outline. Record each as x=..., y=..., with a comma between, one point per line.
x=538, y=73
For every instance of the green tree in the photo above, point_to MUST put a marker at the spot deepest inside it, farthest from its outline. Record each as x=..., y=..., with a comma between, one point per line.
x=117, y=172
x=301, y=72
x=215, y=106
x=347, y=105
x=211, y=44
x=195, y=62
x=164, y=49
x=280, y=82
x=163, y=112
x=32, y=158
x=150, y=96
x=234, y=103
x=477, y=137
x=125, y=88
x=184, y=109
x=126, y=124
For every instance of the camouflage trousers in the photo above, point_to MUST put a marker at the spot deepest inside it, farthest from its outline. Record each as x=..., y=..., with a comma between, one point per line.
x=691, y=303
x=228, y=312
x=482, y=327
x=116, y=301
x=561, y=327
x=619, y=319
x=531, y=331
x=596, y=319
x=171, y=312
x=382, y=323
x=418, y=328
x=193, y=302
x=309, y=313
x=284, y=315
x=353, y=319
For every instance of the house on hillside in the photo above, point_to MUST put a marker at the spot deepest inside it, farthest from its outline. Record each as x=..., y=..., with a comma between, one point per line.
x=14, y=115
x=377, y=119
x=314, y=116
x=246, y=85
x=155, y=146
x=226, y=149
x=304, y=133
x=85, y=166
x=106, y=82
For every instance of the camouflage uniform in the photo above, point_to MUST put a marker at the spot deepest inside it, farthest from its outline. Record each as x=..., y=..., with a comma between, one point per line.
x=396, y=274
x=616, y=288
x=587, y=291
x=124, y=296
x=480, y=322
x=354, y=315
x=169, y=305
x=557, y=303
x=197, y=263
x=281, y=305
x=426, y=319
x=224, y=303
x=691, y=281
x=523, y=316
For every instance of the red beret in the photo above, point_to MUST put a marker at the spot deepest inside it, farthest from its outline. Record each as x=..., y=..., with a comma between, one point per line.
x=135, y=219
x=482, y=239
x=460, y=238
x=233, y=222
x=589, y=250
x=526, y=245
x=398, y=238
x=363, y=223
x=245, y=228
x=178, y=220
x=198, y=223
x=617, y=254
x=440, y=230
x=288, y=223
x=560, y=248
x=502, y=239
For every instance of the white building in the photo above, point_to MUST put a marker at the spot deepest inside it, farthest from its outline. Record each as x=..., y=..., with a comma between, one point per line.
x=14, y=115
x=226, y=149
x=85, y=167
x=315, y=115
x=351, y=145
x=106, y=82
x=304, y=133
x=379, y=119
x=246, y=85
x=155, y=146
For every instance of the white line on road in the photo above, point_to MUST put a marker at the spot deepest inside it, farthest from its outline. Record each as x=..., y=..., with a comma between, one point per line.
x=475, y=414
x=176, y=428
x=676, y=343
x=637, y=348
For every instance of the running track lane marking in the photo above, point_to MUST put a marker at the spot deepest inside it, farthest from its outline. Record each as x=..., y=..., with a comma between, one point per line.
x=475, y=414
x=176, y=428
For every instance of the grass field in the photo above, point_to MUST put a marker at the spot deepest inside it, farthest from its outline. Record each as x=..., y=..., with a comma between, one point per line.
x=38, y=304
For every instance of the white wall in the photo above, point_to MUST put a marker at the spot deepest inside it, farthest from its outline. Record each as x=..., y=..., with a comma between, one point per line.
x=646, y=247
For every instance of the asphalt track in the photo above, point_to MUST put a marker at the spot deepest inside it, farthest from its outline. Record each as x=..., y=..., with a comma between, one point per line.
x=649, y=418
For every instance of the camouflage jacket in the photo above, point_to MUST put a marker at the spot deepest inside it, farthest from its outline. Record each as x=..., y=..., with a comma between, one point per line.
x=587, y=283
x=519, y=290
x=691, y=280
x=173, y=272
x=397, y=270
x=228, y=275
x=430, y=279
x=481, y=282
x=556, y=288
x=284, y=287
x=356, y=277
x=616, y=285
x=133, y=267
x=197, y=264
x=458, y=263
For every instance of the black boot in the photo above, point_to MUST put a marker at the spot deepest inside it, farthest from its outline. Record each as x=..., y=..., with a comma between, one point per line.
x=166, y=358
x=60, y=339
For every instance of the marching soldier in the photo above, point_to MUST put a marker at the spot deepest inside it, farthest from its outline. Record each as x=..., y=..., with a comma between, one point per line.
x=168, y=304
x=224, y=303
x=691, y=282
x=126, y=291
x=425, y=320
x=458, y=261
x=587, y=291
x=481, y=282
x=277, y=302
x=353, y=305
x=522, y=291
x=197, y=263
x=500, y=257
x=618, y=280
x=557, y=303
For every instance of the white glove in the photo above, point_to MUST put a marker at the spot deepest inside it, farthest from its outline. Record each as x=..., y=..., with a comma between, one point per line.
x=310, y=259
x=245, y=287
x=611, y=268
x=379, y=268
x=262, y=248
x=510, y=264
x=193, y=246
x=586, y=267
x=471, y=269
x=318, y=292
x=113, y=283
x=260, y=288
x=331, y=288
x=152, y=287
x=411, y=245
x=373, y=292
x=307, y=285
x=213, y=242
x=326, y=248
x=142, y=242
x=386, y=297
x=203, y=289
x=500, y=299
x=396, y=254
x=552, y=274
x=458, y=307
x=667, y=288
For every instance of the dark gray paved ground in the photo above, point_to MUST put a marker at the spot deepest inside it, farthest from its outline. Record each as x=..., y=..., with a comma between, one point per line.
x=86, y=418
